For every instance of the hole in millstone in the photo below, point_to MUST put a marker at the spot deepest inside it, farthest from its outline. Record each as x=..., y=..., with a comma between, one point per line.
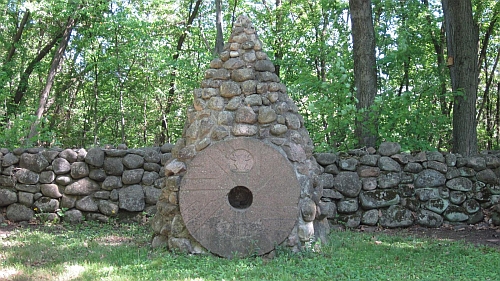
x=240, y=197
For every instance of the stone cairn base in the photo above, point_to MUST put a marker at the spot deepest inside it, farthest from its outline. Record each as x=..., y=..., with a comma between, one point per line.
x=241, y=97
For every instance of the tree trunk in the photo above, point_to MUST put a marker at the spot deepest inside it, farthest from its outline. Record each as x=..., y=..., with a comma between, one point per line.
x=462, y=37
x=365, y=75
x=219, y=40
x=44, y=95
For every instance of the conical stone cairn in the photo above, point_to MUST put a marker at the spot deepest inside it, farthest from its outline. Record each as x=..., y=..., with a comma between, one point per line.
x=243, y=174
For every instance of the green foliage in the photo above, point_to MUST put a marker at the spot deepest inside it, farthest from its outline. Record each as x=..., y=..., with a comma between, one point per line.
x=93, y=251
x=15, y=133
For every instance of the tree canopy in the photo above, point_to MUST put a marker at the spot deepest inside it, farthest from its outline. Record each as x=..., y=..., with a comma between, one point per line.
x=128, y=69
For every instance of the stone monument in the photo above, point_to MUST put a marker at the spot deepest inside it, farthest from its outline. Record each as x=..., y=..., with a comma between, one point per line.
x=242, y=178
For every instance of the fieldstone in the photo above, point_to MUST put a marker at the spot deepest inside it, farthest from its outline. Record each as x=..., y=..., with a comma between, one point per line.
x=350, y=220
x=436, y=205
x=108, y=208
x=438, y=166
x=95, y=157
x=17, y=212
x=244, y=130
x=112, y=182
x=459, y=184
x=266, y=115
x=113, y=166
x=9, y=159
x=264, y=65
x=64, y=180
x=348, y=164
x=429, y=178
x=245, y=114
x=133, y=161
x=369, y=183
x=278, y=129
x=7, y=197
x=471, y=206
x=73, y=216
x=101, y=194
x=308, y=209
x=370, y=217
x=369, y=159
x=428, y=219
x=148, y=178
x=253, y=100
x=230, y=89
x=455, y=213
x=50, y=190
x=435, y=156
x=389, y=180
x=388, y=164
x=97, y=175
x=332, y=169
x=132, y=198
x=26, y=176
x=295, y=152
x=249, y=87
x=31, y=188
x=47, y=205
x=47, y=177
x=413, y=167
x=25, y=198
x=487, y=176
x=33, y=162
x=151, y=194
x=87, y=204
x=425, y=194
x=174, y=167
x=244, y=74
x=305, y=231
x=450, y=159
x=396, y=216
x=326, y=158
x=69, y=155
x=7, y=181
x=457, y=197
x=466, y=172
x=477, y=163
x=476, y=217
x=79, y=170
x=132, y=176
x=292, y=121
x=378, y=198
x=82, y=187
x=347, y=205
x=61, y=166
x=389, y=148
x=347, y=183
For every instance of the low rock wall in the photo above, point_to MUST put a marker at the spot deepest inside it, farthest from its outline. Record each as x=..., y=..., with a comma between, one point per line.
x=74, y=184
x=363, y=187
x=394, y=189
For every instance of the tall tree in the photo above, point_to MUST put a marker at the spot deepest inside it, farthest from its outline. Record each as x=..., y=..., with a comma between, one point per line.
x=462, y=37
x=365, y=75
x=219, y=39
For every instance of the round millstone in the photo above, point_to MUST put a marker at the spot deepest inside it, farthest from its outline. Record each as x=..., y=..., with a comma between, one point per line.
x=239, y=197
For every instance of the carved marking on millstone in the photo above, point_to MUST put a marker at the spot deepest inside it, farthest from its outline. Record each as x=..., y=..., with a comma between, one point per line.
x=239, y=197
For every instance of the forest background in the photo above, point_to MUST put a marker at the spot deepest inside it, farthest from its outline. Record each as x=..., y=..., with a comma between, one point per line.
x=84, y=73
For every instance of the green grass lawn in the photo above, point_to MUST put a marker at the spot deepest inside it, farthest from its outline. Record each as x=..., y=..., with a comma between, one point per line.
x=94, y=251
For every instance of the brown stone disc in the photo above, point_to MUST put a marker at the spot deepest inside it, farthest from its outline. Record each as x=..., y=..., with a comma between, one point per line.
x=239, y=197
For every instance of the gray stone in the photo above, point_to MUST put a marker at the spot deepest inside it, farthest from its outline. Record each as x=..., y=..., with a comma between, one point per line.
x=457, y=197
x=476, y=217
x=369, y=183
x=26, y=176
x=471, y=206
x=7, y=197
x=389, y=180
x=108, y=208
x=112, y=182
x=388, y=164
x=47, y=177
x=369, y=160
x=428, y=219
x=350, y=220
x=50, y=190
x=7, y=181
x=425, y=194
x=332, y=169
x=459, y=184
x=69, y=155
x=61, y=166
x=152, y=167
x=87, y=204
x=487, y=176
x=295, y=152
x=79, y=170
x=264, y=65
x=97, y=175
x=47, y=205
x=438, y=166
x=413, y=167
x=368, y=171
x=219, y=74
x=101, y=194
x=389, y=148
x=31, y=188
x=244, y=74
x=332, y=194
x=73, y=216
x=64, y=180
x=245, y=114
x=435, y=156
x=25, y=198
x=278, y=129
x=450, y=159
x=436, y=205
x=379, y=198
x=151, y=194
x=113, y=166
x=430, y=178
x=348, y=164
x=292, y=121
x=396, y=216
x=95, y=157
x=132, y=198
x=68, y=201
x=266, y=115
x=230, y=89
x=455, y=213
x=326, y=158
x=477, y=163
x=132, y=176
x=347, y=183
x=253, y=100
x=83, y=186
x=18, y=212
x=307, y=209
x=347, y=205
x=33, y=162
x=148, y=178
x=133, y=161
x=370, y=217
x=244, y=130
x=9, y=159
x=466, y=172
x=174, y=167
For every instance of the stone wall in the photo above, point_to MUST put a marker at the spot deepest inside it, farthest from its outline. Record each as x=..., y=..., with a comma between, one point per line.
x=394, y=189
x=74, y=184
